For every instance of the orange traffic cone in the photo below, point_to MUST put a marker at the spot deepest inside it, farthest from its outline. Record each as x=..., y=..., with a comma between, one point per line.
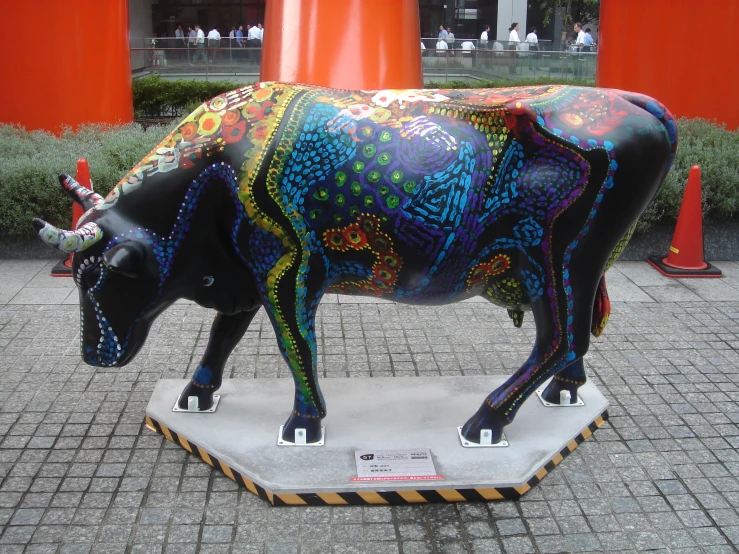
x=685, y=258
x=64, y=268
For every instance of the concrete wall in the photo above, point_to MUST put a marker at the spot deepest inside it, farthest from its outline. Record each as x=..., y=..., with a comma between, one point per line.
x=508, y=12
x=140, y=26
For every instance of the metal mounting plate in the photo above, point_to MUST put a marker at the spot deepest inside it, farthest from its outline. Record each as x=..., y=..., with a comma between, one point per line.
x=281, y=442
x=216, y=399
x=579, y=402
x=467, y=444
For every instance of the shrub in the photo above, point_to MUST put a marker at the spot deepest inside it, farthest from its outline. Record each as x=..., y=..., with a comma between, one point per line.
x=716, y=151
x=31, y=161
x=157, y=97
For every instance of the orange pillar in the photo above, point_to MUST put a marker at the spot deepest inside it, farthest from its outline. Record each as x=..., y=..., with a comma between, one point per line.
x=681, y=52
x=354, y=44
x=76, y=71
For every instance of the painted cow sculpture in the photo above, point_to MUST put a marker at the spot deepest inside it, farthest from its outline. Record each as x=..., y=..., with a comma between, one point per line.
x=274, y=194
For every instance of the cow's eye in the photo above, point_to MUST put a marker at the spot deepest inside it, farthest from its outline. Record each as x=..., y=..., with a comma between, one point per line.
x=90, y=276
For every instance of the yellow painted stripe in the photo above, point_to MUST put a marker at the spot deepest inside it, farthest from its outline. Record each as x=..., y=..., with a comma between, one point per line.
x=557, y=458
x=249, y=485
x=150, y=424
x=523, y=489
x=227, y=472
x=372, y=498
x=572, y=445
x=270, y=496
x=586, y=433
x=292, y=499
x=599, y=421
x=541, y=474
x=411, y=496
x=185, y=444
x=490, y=494
x=331, y=498
x=204, y=455
x=166, y=433
x=151, y=428
x=450, y=495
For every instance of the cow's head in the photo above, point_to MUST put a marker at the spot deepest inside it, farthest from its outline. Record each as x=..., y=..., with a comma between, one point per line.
x=119, y=276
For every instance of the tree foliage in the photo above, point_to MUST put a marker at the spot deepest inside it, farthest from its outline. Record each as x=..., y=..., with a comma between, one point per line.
x=584, y=11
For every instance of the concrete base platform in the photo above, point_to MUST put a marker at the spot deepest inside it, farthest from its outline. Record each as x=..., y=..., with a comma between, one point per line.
x=240, y=438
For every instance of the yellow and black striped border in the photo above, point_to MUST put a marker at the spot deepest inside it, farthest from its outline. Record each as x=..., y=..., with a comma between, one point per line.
x=384, y=497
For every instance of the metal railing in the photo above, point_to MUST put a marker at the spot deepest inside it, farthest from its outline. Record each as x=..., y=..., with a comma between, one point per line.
x=438, y=64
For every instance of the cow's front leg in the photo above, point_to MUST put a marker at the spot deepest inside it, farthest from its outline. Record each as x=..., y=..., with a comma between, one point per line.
x=225, y=334
x=293, y=291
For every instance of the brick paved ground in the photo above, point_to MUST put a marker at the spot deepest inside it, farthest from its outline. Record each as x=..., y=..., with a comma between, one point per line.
x=80, y=473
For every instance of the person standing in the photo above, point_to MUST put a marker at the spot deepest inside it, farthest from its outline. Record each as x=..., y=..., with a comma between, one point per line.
x=513, y=42
x=214, y=41
x=199, y=45
x=579, y=45
x=450, y=37
x=254, y=42
x=261, y=32
x=239, y=41
x=587, y=41
x=192, y=37
x=532, y=45
x=484, y=38
x=179, y=35
x=443, y=35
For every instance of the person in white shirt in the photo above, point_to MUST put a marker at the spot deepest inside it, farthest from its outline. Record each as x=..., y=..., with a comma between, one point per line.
x=532, y=44
x=513, y=42
x=199, y=45
x=254, y=33
x=468, y=45
x=214, y=41
x=254, y=42
x=484, y=37
x=261, y=32
x=579, y=44
x=441, y=45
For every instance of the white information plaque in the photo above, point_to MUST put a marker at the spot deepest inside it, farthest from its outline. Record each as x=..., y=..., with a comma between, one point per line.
x=395, y=465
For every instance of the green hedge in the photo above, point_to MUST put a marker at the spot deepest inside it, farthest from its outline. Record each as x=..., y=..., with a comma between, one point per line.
x=157, y=97
x=30, y=162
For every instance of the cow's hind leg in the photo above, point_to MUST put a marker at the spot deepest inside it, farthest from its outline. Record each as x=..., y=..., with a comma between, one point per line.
x=570, y=379
x=563, y=317
x=225, y=334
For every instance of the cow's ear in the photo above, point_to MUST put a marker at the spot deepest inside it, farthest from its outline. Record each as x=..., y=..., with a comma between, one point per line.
x=126, y=258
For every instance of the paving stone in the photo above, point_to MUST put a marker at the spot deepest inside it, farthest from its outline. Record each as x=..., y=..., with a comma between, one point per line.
x=84, y=475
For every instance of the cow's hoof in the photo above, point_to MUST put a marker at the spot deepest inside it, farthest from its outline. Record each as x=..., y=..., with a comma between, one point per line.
x=485, y=418
x=552, y=393
x=312, y=426
x=204, y=395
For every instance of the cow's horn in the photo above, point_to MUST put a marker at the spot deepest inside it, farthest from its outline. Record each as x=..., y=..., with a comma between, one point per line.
x=85, y=198
x=68, y=241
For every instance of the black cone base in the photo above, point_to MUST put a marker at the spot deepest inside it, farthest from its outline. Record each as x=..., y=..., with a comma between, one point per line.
x=63, y=268
x=668, y=271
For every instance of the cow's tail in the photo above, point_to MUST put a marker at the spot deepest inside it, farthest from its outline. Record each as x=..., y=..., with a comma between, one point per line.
x=602, y=306
x=601, y=309
x=664, y=116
